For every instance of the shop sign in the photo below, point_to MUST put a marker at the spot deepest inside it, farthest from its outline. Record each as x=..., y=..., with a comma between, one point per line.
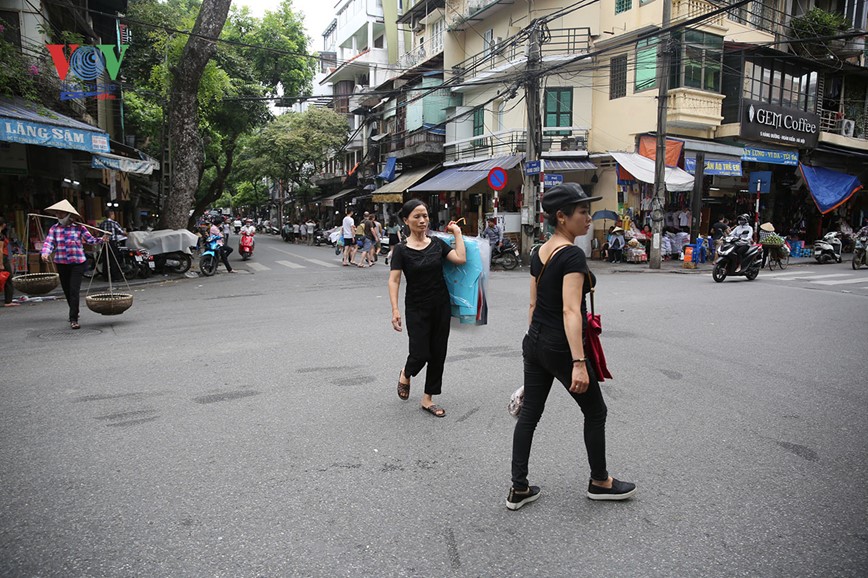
x=724, y=167
x=789, y=158
x=776, y=124
x=87, y=64
x=550, y=180
x=37, y=133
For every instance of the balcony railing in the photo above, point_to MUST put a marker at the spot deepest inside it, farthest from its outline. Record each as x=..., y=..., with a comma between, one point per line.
x=687, y=9
x=759, y=15
x=555, y=140
x=691, y=108
x=414, y=139
x=832, y=121
x=429, y=49
x=503, y=53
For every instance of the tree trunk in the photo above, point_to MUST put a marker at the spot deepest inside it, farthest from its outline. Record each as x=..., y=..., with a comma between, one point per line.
x=187, y=155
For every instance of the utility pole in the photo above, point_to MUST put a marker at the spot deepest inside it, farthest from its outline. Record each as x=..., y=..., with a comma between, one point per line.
x=663, y=63
x=531, y=87
x=696, y=200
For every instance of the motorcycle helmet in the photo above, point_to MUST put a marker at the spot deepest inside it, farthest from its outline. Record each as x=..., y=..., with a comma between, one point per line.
x=215, y=220
x=743, y=219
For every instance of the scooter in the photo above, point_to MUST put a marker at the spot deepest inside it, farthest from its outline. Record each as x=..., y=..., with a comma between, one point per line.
x=730, y=262
x=245, y=246
x=859, y=252
x=828, y=249
x=210, y=256
x=506, y=255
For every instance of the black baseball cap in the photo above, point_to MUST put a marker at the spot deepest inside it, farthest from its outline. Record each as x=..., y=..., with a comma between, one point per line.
x=563, y=195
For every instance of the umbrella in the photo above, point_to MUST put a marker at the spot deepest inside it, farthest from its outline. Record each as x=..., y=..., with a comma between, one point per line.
x=605, y=215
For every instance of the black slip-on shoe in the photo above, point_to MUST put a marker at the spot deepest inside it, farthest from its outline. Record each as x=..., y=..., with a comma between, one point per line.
x=516, y=499
x=619, y=491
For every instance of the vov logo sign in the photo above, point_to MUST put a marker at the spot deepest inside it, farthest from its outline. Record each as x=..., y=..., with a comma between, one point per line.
x=81, y=70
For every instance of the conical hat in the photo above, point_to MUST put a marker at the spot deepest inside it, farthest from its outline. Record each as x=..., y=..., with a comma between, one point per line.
x=767, y=227
x=65, y=207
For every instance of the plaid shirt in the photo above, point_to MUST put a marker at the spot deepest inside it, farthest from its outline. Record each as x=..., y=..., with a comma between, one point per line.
x=66, y=243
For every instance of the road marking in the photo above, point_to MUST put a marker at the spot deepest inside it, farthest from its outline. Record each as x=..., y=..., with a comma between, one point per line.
x=297, y=256
x=811, y=277
x=290, y=264
x=258, y=267
x=843, y=281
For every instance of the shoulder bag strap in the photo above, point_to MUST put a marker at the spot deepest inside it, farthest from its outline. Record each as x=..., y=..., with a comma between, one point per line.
x=549, y=260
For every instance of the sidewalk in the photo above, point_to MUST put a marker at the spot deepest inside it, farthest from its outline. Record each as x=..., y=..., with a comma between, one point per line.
x=678, y=266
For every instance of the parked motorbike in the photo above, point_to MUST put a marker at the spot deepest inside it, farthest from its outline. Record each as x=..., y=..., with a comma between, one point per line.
x=210, y=256
x=132, y=263
x=732, y=262
x=245, y=246
x=859, y=252
x=169, y=249
x=828, y=249
x=175, y=262
x=319, y=237
x=505, y=255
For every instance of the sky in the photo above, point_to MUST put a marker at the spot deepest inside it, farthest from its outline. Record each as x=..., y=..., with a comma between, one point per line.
x=317, y=15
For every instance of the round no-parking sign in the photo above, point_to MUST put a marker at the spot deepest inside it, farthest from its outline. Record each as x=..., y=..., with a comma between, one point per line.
x=497, y=178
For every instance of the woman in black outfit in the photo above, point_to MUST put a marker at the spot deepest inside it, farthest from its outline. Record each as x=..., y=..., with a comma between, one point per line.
x=426, y=303
x=554, y=347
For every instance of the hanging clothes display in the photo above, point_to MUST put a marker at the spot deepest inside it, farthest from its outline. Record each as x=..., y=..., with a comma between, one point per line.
x=468, y=283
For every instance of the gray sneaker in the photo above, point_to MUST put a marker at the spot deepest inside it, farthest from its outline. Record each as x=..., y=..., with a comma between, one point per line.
x=516, y=499
x=619, y=491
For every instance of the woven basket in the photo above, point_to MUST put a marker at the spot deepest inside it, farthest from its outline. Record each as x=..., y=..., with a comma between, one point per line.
x=36, y=283
x=109, y=303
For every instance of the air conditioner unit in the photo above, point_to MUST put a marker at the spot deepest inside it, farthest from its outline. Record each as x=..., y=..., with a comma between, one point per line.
x=848, y=127
x=419, y=27
x=497, y=46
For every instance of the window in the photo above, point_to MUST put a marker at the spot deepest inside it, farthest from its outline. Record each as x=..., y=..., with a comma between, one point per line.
x=437, y=36
x=378, y=42
x=646, y=64
x=11, y=27
x=479, y=121
x=487, y=42
x=559, y=109
x=781, y=83
x=618, y=77
x=623, y=5
x=698, y=65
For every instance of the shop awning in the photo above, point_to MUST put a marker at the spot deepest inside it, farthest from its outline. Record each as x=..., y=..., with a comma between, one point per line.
x=565, y=166
x=462, y=178
x=28, y=123
x=406, y=180
x=330, y=200
x=642, y=168
x=830, y=189
x=123, y=164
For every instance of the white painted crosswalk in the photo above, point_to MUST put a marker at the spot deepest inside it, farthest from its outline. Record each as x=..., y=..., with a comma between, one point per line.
x=819, y=278
x=257, y=266
x=290, y=264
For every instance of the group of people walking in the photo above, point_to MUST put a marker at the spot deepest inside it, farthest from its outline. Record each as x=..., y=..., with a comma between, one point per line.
x=554, y=346
x=364, y=240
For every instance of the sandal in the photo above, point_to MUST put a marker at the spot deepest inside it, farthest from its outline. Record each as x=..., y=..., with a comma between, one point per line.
x=434, y=410
x=403, y=388
x=74, y=325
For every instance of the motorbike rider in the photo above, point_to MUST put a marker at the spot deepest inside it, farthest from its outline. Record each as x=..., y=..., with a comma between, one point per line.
x=249, y=229
x=494, y=233
x=743, y=235
x=215, y=231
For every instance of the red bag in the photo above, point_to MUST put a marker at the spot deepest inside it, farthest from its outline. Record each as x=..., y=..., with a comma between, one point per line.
x=593, y=347
x=4, y=276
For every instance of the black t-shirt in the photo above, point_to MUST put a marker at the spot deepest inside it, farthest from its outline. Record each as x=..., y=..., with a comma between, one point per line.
x=549, y=309
x=717, y=230
x=370, y=230
x=423, y=269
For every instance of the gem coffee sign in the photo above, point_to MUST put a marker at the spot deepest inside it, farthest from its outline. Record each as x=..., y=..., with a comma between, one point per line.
x=775, y=124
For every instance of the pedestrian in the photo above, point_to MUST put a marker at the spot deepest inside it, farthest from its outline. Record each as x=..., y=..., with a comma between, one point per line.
x=117, y=235
x=296, y=232
x=372, y=237
x=302, y=228
x=347, y=231
x=311, y=229
x=554, y=347
x=395, y=237
x=225, y=229
x=362, y=242
x=224, y=250
x=8, y=289
x=426, y=300
x=65, y=239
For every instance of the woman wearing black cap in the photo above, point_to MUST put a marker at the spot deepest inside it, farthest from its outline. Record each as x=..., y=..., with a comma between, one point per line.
x=554, y=347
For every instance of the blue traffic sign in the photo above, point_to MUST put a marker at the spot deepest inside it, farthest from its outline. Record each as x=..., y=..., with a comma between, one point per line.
x=551, y=180
x=497, y=178
x=532, y=168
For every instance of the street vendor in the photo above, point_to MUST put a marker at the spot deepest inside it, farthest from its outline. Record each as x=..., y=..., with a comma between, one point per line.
x=65, y=239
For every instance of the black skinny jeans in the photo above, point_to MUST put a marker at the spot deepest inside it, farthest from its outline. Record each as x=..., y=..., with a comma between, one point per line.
x=70, y=281
x=428, y=330
x=546, y=357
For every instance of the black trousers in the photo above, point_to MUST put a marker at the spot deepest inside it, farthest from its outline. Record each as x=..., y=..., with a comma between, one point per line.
x=428, y=330
x=546, y=357
x=224, y=256
x=70, y=281
x=7, y=289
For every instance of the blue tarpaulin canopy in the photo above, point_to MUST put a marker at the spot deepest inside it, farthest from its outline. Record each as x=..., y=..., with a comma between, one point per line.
x=388, y=173
x=830, y=189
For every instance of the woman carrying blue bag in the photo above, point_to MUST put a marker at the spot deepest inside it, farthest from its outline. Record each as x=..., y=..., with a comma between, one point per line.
x=426, y=303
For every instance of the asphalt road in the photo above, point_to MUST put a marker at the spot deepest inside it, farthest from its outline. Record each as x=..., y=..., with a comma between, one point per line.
x=247, y=425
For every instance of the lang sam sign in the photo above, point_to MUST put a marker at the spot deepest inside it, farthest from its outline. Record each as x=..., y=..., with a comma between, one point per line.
x=80, y=68
x=771, y=123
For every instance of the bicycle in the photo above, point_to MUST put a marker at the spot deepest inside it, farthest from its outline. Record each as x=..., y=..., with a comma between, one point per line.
x=778, y=255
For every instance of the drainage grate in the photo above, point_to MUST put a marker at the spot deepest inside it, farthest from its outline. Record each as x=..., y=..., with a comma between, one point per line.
x=68, y=334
